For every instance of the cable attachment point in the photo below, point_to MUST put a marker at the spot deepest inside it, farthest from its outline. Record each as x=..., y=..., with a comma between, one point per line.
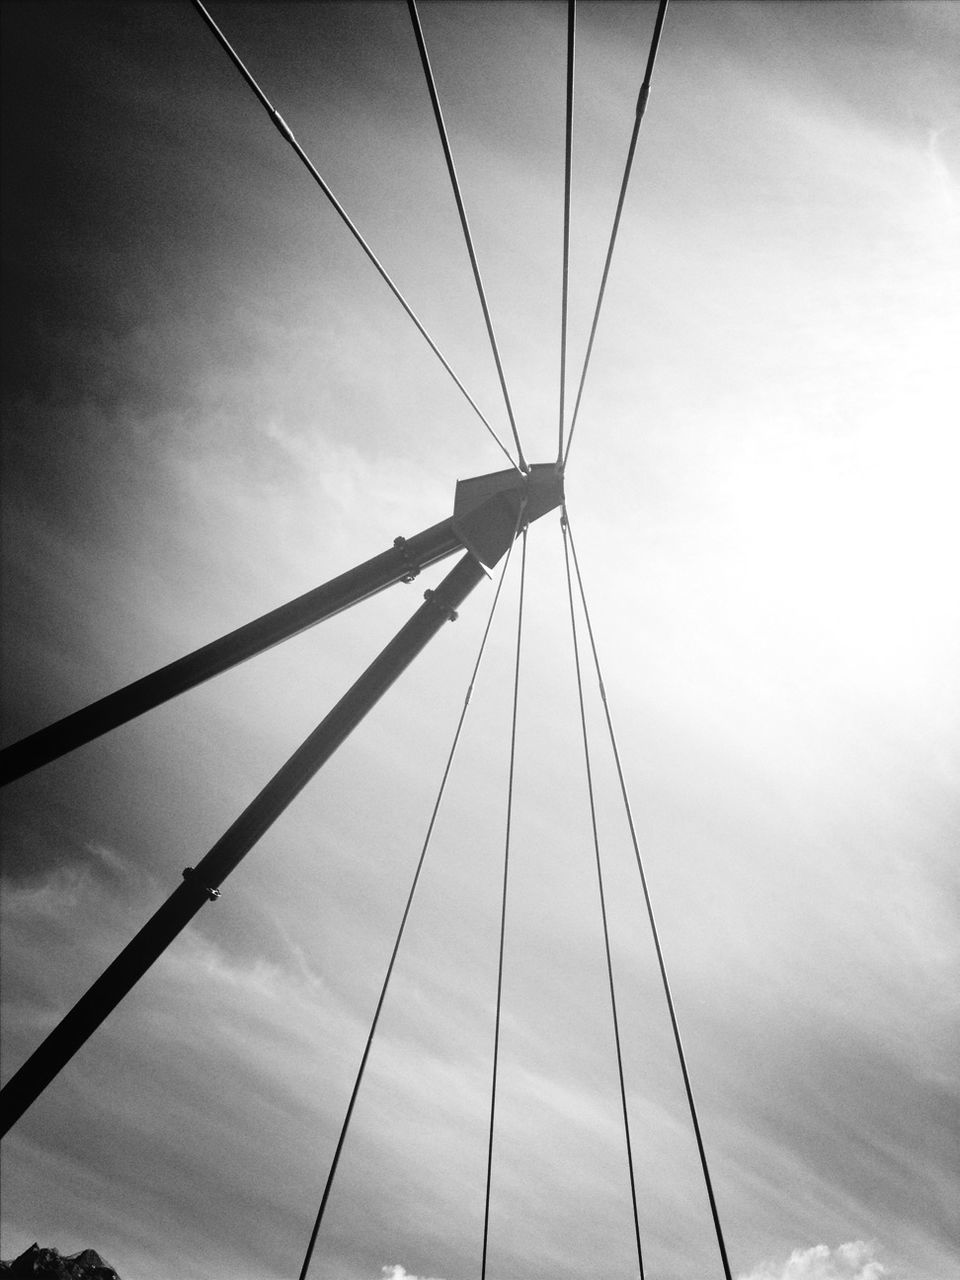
x=431, y=597
x=282, y=125
x=190, y=874
x=410, y=564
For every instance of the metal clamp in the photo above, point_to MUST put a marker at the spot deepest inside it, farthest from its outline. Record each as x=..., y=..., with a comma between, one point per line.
x=411, y=565
x=190, y=874
x=449, y=613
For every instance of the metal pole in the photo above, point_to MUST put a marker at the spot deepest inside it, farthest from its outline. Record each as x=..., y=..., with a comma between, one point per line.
x=202, y=884
x=403, y=561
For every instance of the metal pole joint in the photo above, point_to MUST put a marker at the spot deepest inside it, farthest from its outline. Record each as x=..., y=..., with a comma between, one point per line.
x=410, y=563
x=191, y=877
x=446, y=611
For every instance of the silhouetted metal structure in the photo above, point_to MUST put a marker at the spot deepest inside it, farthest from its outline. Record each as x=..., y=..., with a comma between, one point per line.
x=488, y=513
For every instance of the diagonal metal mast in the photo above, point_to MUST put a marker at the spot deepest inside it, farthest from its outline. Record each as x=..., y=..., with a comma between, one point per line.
x=401, y=563
x=480, y=501
x=488, y=512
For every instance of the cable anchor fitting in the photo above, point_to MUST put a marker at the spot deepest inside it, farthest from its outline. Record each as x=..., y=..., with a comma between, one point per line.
x=190, y=875
x=283, y=128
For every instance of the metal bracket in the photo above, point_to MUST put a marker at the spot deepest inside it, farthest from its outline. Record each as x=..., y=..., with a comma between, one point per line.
x=431, y=597
x=489, y=509
x=409, y=563
x=190, y=875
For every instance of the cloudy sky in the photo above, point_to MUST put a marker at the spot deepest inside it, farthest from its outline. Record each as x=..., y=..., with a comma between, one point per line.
x=212, y=404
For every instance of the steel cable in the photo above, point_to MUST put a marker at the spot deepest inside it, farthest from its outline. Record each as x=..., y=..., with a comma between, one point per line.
x=503, y=911
x=567, y=177
x=451, y=168
x=641, y=108
x=603, y=903
x=650, y=916
x=284, y=129
x=403, y=923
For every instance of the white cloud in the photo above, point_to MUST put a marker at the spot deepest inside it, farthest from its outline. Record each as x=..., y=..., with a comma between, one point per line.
x=396, y=1272
x=852, y=1261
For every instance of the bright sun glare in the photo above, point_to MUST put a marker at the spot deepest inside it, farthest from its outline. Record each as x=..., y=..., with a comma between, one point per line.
x=848, y=554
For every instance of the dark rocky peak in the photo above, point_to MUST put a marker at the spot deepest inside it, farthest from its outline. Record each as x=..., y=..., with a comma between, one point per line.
x=49, y=1264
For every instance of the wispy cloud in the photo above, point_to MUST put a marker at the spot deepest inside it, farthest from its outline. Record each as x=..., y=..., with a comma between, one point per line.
x=106, y=857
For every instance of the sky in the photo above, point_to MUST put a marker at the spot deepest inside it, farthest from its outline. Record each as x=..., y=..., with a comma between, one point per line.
x=212, y=404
